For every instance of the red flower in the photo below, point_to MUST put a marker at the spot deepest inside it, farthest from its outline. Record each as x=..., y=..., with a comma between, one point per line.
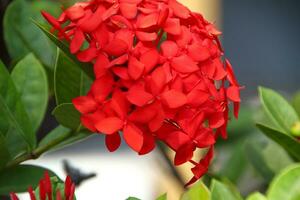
x=46, y=190
x=159, y=74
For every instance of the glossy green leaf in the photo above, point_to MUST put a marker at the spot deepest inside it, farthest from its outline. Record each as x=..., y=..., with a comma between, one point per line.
x=290, y=144
x=256, y=196
x=22, y=36
x=67, y=115
x=221, y=191
x=14, y=121
x=162, y=197
x=278, y=109
x=286, y=185
x=68, y=136
x=30, y=79
x=4, y=153
x=86, y=67
x=70, y=81
x=19, y=178
x=197, y=192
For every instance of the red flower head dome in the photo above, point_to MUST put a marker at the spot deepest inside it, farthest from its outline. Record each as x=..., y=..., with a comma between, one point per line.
x=159, y=75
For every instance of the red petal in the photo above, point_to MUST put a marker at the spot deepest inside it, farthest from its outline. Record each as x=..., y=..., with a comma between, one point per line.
x=148, y=144
x=169, y=49
x=150, y=59
x=216, y=120
x=89, y=120
x=176, y=139
x=87, y=55
x=144, y=114
x=48, y=185
x=135, y=68
x=220, y=72
x=156, y=123
x=85, y=104
x=118, y=61
x=75, y=12
x=100, y=65
x=58, y=195
x=133, y=137
x=121, y=72
x=68, y=185
x=109, y=125
x=146, y=37
x=172, y=26
x=77, y=41
x=197, y=97
x=233, y=93
x=31, y=193
x=174, y=99
x=113, y=142
x=13, y=196
x=51, y=20
x=184, y=38
x=158, y=80
x=116, y=47
x=110, y=12
x=230, y=74
x=138, y=96
x=92, y=22
x=147, y=21
x=205, y=138
x=125, y=35
x=198, y=52
x=184, y=64
x=101, y=35
x=42, y=190
x=128, y=10
x=184, y=154
x=101, y=88
x=179, y=10
x=236, y=108
x=120, y=104
x=163, y=16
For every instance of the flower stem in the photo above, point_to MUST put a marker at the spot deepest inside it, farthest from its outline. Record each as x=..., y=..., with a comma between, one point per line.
x=36, y=153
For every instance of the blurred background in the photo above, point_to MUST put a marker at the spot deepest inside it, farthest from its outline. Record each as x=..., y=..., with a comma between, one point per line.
x=261, y=39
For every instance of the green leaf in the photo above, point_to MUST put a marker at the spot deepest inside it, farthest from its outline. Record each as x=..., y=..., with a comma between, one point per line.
x=69, y=80
x=67, y=115
x=198, y=192
x=290, y=144
x=22, y=36
x=86, y=67
x=286, y=185
x=278, y=109
x=30, y=79
x=162, y=197
x=221, y=191
x=132, y=198
x=19, y=178
x=61, y=132
x=256, y=196
x=14, y=121
x=296, y=102
x=4, y=153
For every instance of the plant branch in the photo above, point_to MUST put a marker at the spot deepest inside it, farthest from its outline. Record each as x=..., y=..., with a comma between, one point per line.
x=39, y=150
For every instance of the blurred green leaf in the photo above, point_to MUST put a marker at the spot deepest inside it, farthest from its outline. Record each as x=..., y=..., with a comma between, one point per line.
x=221, y=191
x=197, y=192
x=4, y=153
x=278, y=109
x=19, y=178
x=30, y=79
x=67, y=115
x=22, y=36
x=70, y=81
x=236, y=164
x=286, y=185
x=256, y=196
x=86, y=67
x=290, y=144
x=162, y=197
x=296, y=102
x=132, y=198
x=61, y=132
x=14, y=121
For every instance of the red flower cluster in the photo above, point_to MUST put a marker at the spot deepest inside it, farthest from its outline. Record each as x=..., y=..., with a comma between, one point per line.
x=159, y=75
x=46, y=190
